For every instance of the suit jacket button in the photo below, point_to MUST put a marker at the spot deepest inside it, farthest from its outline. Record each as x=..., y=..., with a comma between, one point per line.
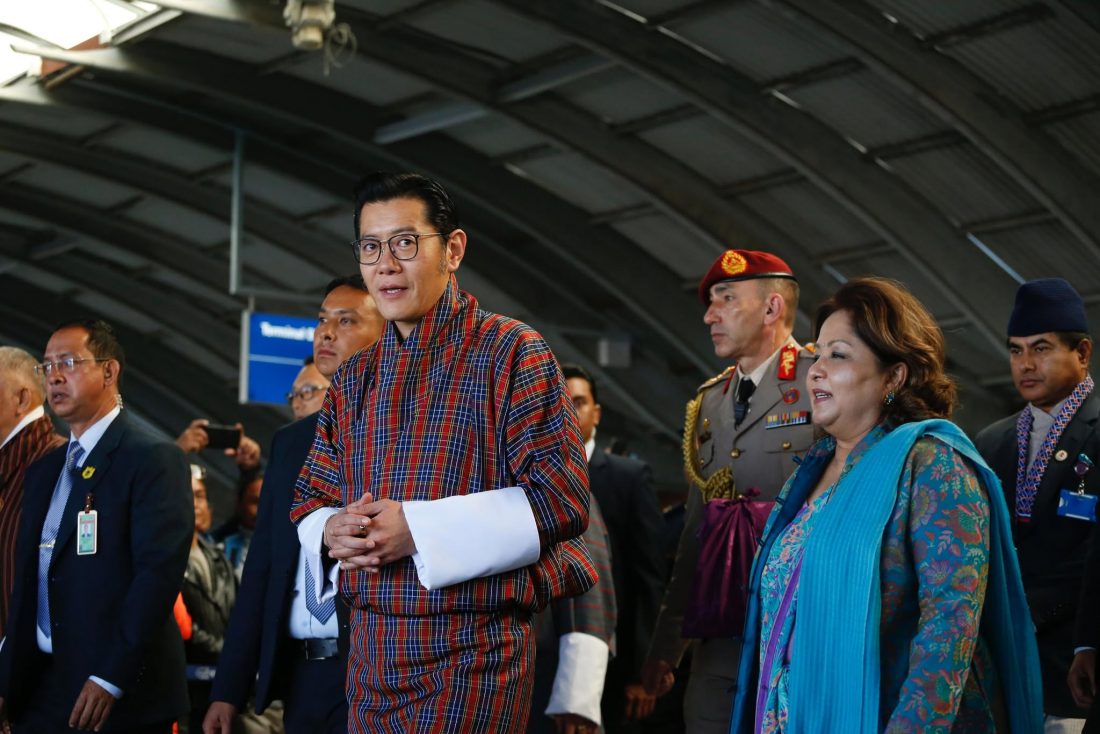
x=735, y=454
x=786, y=445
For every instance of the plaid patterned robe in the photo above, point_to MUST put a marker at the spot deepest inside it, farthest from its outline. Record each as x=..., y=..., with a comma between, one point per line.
x=35, y=440
x=469, y=402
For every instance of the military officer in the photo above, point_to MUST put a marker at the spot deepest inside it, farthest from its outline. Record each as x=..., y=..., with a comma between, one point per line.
x=743, y=430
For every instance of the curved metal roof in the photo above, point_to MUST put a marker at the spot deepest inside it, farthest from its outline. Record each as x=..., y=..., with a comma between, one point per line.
x=601, y=155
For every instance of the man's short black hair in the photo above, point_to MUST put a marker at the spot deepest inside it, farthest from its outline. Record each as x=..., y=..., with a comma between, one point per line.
x=1072, y=339
x=386, y=186
x=351, y=281
x=570, y=370
x=102, y=341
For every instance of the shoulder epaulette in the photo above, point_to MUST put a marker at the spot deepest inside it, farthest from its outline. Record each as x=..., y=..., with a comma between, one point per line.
x=724, y=374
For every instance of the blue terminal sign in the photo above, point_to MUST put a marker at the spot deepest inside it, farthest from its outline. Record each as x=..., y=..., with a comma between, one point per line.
x=273, y=348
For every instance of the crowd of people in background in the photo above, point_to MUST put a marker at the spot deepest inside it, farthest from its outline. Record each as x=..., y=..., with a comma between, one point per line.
x=442, y=540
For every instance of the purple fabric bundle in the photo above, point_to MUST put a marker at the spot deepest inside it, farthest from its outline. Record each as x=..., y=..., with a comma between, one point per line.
x=728, y=537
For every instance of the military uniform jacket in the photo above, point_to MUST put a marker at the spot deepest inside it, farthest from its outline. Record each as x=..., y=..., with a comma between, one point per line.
x=760, y=453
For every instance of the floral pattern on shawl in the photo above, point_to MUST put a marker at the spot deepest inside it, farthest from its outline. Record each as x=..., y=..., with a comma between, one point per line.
x=937, y=674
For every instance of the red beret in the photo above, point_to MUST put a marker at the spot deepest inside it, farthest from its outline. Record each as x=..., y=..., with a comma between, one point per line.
x=734, y=265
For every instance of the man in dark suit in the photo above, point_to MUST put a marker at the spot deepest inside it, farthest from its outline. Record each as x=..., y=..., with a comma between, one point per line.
x=1083, y=671
x=102, y=547
x=277, y=630
x=1045, y=457
x=625, y=495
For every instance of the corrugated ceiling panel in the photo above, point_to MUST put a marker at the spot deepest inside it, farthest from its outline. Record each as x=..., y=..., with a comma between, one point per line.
x=893, y=265
x=116, y=312
x=67, y=121
x=39, y=277
x=963, y=183
x=165, y=149
x=866, y=108
x=201, y=294
x=287, y=269
x=495, y=135
x=338, y=224
x=361, y=78
x=199, y=354
x=243, y=42
x=1036, y=65
x=291, y=196
x=617, y=95
x=713, y=150
x=114, y=256
x=382, y=7
x=71, y=184
x=816, y=222
x=180, y=222
x=933, y=17
x=581, y=182
x=10, y=161
x=1045, y=251
x=650, y=8
x=762, y=42
x=1081, y=136
x=492, y=28
x=680, y=249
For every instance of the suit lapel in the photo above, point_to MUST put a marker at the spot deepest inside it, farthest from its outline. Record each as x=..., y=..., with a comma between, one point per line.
x=1059, y=474
x=88, y=479
x=1005, y=463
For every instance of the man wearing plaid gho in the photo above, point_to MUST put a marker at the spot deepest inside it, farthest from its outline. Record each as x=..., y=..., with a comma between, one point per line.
x=448, y=480
x=1045, y=457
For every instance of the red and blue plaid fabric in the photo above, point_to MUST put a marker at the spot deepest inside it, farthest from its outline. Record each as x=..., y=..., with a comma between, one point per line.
x=469, y=402
x=1028, y=480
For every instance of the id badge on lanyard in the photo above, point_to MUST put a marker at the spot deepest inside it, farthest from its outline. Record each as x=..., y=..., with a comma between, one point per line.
x=1075, y=503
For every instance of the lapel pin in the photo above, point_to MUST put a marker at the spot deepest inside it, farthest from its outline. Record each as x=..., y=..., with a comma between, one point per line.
x=1061, y=455
x=89, y=471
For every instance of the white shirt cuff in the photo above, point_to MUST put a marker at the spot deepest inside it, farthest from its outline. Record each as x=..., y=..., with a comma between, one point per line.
x=578, y=682
x=471, y=536
x=113, y=690
x=311, y=536
x=1082, y=649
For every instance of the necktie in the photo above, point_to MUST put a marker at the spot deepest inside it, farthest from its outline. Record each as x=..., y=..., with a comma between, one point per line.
x=50, y=529
x=322, y=611
x=745, y=389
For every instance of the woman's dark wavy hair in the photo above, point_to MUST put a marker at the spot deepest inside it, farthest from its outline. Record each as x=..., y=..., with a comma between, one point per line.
x=898, y=328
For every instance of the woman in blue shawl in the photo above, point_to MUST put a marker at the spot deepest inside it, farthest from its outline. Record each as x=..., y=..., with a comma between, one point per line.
x=886, y=595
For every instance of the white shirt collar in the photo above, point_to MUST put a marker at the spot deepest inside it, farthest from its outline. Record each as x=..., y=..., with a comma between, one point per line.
x=590, y=446
x=27, y=420
x=91, y=436
x=762, y=369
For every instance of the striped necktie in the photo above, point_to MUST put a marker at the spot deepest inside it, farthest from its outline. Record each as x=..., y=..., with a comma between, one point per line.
x=50, y=529
x=322, y=610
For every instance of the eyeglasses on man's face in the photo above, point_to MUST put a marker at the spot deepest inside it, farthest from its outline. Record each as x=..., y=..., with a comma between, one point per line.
x=65, y=366
x=368, y=250
x=305, y=392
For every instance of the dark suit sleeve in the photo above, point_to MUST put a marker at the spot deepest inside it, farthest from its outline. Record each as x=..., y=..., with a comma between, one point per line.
x=645, y=561
x=241, y=650
x=1087, y=628
x=162, y=521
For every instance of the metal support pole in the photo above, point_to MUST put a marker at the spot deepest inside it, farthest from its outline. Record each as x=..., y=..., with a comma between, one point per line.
x=236, y=221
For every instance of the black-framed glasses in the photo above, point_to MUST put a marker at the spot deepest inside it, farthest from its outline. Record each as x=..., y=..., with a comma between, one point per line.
x=65, y=366
x=368, y=250
x=305, y=392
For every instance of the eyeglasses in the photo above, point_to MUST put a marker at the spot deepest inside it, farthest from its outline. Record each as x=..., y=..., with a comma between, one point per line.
x=305, y=392
x=66, y=366
x=368, y=250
